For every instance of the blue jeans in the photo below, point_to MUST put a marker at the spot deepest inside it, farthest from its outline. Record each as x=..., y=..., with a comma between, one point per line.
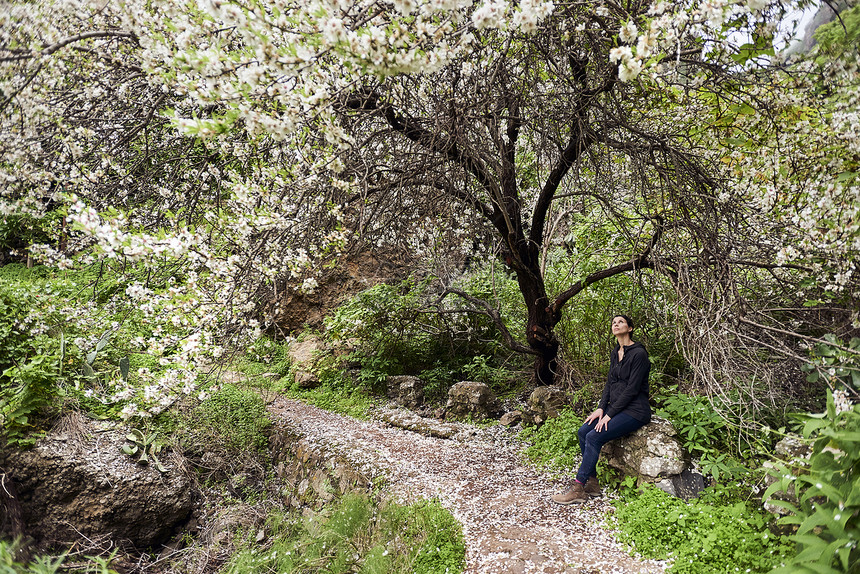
x=591, y=441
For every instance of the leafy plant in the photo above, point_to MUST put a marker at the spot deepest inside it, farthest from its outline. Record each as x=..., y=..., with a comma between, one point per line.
x=346, y=401
x=827, y=514
x=145, y=447
x=699, y=538
x=236, y=415
x=836, y=362
x=703, y=432
x=47, y=564
x=400, y=329
x=554, y=444
x=357, y=535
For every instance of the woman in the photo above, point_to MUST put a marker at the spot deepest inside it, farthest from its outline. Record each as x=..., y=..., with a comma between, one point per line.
x=623, y=408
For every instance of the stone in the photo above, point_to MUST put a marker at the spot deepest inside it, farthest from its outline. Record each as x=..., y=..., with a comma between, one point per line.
x=312, y=474
x=511, y=418
x=222, y=527
x=544, y=404
x=789, y=449
x=425, y=426
x=472, y=398
x=303, y=354
x=686, y=485
x=792, y=447
x=70, y=486
x=406, y=391
x=306, y=380
x=650, y=453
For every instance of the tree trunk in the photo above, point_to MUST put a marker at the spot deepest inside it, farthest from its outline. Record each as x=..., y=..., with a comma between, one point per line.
x=541, y=322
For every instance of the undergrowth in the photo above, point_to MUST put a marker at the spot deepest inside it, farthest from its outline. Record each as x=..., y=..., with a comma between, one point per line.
x=236, y=416
x=554, y=445
x=699, y=537
x=10, y=563
x=350, y=402
x=358, y=535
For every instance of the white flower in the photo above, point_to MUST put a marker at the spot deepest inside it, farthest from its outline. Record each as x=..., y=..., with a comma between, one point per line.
x=628, y=32
x=622, y=53
x=629, y=69
x=841, y=401
x=129, y=411
x=309, y=285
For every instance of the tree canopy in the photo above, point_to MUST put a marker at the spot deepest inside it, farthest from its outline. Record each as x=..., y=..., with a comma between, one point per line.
x=250, y=143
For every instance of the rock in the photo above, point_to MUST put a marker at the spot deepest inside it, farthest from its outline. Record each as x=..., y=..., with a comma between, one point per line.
x=686, y=485
x=428, y=427
x=544, y=404
x=306, y=380
x=792, y=447
x=406, y=391
x=472, y=398
x=650, y=453
x=295, y=311
x=221, y=529
x=70, y=486
x=511, y=418
x=303, y=357
x=312, y=473
x=304, y=354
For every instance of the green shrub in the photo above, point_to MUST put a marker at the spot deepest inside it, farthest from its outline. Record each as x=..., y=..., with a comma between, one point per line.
x=31, y=353
x=238, y=416
x=703, y=432
x=827, y=515
x=554, y=444
x=700, y=538
x=267, y=356
x=357, y=535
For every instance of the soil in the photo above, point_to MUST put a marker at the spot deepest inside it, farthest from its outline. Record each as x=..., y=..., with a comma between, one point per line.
x=509, y=522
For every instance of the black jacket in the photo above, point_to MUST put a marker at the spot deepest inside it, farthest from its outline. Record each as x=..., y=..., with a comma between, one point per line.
x=626, y=389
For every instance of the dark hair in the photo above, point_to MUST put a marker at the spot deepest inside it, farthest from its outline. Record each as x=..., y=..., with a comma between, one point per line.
x=626, y=318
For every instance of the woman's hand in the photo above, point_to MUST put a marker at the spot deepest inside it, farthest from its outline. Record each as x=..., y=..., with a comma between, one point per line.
x=595, y=416
x=601, y=425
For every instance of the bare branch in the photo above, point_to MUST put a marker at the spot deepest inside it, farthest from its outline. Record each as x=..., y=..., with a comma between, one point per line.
x=641, y=261
x=484, y=308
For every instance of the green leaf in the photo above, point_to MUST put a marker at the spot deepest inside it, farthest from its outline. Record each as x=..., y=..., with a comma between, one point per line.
x=88, y=371
x=123, y=368
x=103, y=341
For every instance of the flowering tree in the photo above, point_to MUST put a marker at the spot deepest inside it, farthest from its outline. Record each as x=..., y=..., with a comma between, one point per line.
x=270, y=136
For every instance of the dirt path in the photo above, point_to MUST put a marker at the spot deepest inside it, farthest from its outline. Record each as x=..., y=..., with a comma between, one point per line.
x=509, y=523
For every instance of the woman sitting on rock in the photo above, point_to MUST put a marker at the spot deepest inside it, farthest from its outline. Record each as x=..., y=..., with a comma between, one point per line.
x=623, y=408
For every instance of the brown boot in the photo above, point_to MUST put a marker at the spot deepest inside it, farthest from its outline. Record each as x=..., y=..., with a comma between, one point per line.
x=573, y=495
x=592, y=488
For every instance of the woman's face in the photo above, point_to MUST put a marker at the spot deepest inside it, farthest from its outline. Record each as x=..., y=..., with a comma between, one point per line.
x=620, y=326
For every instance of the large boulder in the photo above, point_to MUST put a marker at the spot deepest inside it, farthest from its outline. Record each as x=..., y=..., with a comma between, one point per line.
x=406, y=391
x=543, y=404
x=303, y=357
x=653, y=453
x=471, y=398
x=81, y=483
